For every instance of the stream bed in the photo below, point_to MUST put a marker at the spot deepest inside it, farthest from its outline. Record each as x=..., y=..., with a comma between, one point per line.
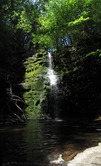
x=42, y=141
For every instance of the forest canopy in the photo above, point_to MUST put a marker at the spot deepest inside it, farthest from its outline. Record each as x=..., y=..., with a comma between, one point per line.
x=50, y=22
x=61, y=18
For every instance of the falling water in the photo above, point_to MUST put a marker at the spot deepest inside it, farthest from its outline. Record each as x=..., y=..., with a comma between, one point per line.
x=51, y=76
x=53, y=96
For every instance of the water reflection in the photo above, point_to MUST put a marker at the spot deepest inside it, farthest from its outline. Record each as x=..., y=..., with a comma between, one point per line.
x=38, y=138
x=44, y=141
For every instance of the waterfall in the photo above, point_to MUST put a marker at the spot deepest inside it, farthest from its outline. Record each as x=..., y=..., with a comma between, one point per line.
x=51, y=76
x=53, y=95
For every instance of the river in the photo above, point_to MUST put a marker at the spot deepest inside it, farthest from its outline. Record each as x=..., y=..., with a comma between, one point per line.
x=41, y=141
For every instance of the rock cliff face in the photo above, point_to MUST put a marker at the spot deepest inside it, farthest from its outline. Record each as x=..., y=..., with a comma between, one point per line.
x=78, y=86
x=79, y=68
x=11, y=75
x=35, y=85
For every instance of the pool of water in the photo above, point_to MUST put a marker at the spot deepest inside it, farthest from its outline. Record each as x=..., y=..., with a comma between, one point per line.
x=42, y=141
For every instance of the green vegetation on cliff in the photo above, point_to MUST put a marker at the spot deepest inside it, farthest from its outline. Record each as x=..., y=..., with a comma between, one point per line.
x=80, y=82
x=72, y=28
x=35, y=85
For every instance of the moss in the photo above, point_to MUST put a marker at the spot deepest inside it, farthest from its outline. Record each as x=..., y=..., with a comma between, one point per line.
x=35, y=84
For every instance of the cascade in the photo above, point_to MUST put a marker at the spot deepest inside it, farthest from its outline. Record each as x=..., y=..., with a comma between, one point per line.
x=53, y=96
x=51, y=76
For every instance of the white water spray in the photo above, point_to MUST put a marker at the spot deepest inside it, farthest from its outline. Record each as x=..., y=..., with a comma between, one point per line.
x=53, y=97
x=51, y=76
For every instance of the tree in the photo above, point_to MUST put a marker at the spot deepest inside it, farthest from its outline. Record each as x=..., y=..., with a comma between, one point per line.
x=13, y=45
x=64, y=18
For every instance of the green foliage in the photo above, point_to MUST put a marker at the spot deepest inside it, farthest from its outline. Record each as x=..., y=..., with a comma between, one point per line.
x=93, y=53
x=47, y=24
x=80, y=80
x=35, y=84
x=29, y=18
x=13, y=44
x=65, y=18
x=51, y=21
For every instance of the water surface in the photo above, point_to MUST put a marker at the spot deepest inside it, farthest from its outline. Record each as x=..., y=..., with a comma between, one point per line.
x=42, y=141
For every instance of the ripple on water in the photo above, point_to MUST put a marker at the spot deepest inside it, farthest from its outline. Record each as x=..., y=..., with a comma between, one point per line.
x=43, y=141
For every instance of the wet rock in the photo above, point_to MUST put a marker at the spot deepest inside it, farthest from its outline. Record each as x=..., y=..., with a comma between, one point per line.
x=69, y=156
x=91, y=157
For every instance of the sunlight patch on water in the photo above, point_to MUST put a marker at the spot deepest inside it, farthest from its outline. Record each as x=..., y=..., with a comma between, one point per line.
x=58, y=120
